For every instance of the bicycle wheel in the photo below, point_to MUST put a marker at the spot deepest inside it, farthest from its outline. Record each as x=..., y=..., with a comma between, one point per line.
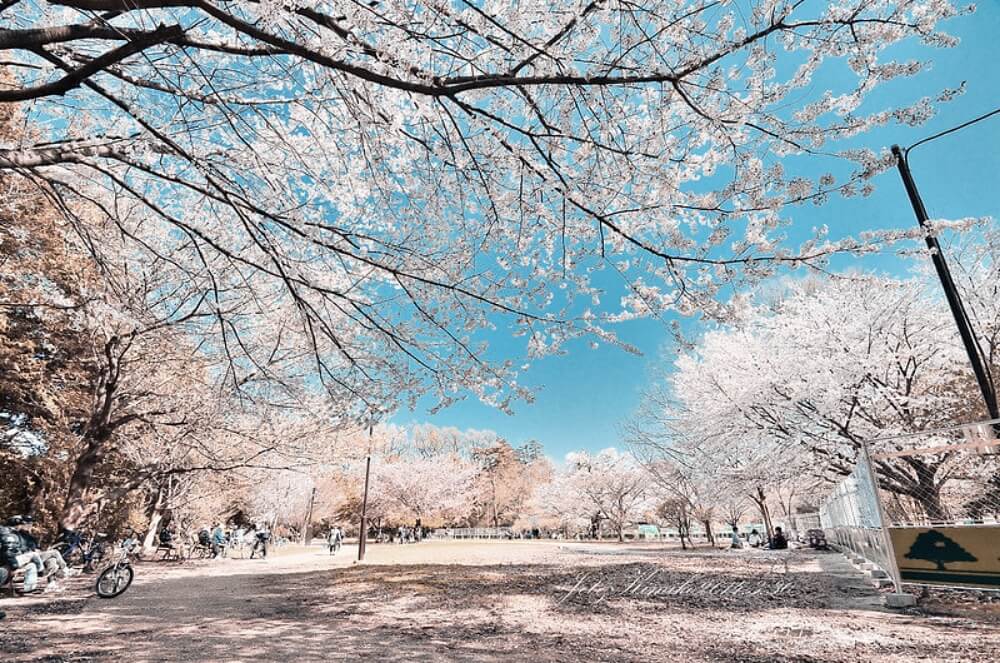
x=114, y=580
x=92, y=558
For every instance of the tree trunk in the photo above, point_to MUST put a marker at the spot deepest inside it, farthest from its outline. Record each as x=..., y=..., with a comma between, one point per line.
x=928, y=492
x=154, y=524
x=915, y=478
x=928, y=496
x=787, y=507
x=96, y=435
x=761, y=501
x=156, y=516
x=708, y=531
x=75, y=508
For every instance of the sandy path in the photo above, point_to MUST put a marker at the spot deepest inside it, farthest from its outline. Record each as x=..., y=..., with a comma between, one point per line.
x=507, y=601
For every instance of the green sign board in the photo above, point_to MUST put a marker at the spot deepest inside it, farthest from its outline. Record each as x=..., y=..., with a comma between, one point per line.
x=958, y=556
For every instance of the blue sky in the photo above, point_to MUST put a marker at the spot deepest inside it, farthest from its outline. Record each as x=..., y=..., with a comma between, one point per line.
x=582, y=396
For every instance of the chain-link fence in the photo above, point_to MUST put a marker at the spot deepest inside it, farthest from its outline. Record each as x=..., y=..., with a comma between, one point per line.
x=852, y=520
x=925, y=507
x=800, y=523
x=946, y=477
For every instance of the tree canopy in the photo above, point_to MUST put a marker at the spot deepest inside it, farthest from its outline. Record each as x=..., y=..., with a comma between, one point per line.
x=359, y=187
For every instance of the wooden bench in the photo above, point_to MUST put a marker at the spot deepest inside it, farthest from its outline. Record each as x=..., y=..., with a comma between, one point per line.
x=167, y=551
x=200, y=551
x=22, y=580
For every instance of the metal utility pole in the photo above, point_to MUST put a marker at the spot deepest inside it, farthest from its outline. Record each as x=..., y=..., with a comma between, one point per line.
x=972, y=348
x=363, y=534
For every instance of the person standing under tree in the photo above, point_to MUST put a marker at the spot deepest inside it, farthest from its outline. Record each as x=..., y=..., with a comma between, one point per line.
x=333, y=540
x=261, y=537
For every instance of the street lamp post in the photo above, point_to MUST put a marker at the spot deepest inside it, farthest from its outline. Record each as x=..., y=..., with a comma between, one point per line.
x=363, y=534
x=965, y=330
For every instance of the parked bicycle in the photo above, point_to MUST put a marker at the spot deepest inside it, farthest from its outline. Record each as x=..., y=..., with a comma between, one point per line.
x=116, y=578
x=79, y=550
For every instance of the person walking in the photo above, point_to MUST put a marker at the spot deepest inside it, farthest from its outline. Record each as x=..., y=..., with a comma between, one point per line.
x=261, y=537
x=333, y=539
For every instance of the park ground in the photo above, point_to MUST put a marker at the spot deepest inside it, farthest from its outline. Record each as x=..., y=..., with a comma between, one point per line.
x=490, y=601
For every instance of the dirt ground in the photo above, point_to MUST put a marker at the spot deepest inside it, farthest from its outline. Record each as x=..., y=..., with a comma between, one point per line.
x=488, y=601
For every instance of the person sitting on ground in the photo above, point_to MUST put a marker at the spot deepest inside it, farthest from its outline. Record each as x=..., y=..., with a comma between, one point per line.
x=735, y=540
x=778, y=541
x=218, y=541
x=754, y=539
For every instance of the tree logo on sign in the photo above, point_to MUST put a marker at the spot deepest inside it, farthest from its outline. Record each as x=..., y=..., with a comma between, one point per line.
x=933, y=546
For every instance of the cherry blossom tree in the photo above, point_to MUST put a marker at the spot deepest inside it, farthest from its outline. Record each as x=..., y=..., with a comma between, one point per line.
x=375, y=182
x=557, y=503
x=796, y=386
x=505, y=481
x=280, y=497
x=974, y=259
x=604, y=487
x=425, y=489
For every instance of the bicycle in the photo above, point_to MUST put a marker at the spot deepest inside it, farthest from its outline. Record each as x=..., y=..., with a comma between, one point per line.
x=116, y=578
x=77, y=550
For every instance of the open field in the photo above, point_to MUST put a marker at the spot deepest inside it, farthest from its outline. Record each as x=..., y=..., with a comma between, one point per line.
x=478, y=601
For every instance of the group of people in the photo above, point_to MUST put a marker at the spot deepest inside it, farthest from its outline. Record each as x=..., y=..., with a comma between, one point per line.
x=409, y=534
x=19, y=551
x=218, y=540
x=778, y=540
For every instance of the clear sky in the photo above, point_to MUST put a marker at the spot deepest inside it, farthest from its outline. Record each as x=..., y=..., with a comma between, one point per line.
x=582, y=396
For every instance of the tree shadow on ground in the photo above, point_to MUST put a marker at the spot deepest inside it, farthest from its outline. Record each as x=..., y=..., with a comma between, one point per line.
x=406, y=612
